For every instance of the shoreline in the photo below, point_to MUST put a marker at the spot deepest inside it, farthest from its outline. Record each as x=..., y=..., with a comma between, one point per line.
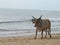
x=31, y=35
x=24, y=34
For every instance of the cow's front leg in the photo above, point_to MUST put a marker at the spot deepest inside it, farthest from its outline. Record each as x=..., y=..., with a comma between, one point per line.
x=46, y=33
x=36, y=34
x=42, y=34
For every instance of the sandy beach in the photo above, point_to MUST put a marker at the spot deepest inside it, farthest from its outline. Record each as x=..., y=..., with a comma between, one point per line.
x=29, y=40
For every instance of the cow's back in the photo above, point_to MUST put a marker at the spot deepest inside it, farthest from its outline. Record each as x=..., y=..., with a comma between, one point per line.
x=46, y=24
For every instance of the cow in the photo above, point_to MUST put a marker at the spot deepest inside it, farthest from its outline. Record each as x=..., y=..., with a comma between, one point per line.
x=42, y=25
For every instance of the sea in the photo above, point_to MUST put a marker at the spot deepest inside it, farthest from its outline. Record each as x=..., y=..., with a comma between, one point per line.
x=17, y=22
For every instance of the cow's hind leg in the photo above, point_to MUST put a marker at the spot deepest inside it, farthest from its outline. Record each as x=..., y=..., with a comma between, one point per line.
x=35, y=34
x=49, y=32
x=42, y=34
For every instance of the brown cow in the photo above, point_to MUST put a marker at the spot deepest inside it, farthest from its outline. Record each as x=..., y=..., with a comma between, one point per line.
x=42, y=25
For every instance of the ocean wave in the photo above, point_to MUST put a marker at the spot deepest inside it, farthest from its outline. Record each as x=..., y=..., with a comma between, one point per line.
x=24, y=21
x=15, y=21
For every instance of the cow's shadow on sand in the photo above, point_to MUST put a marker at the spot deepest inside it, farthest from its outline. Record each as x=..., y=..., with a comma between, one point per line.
x=53, y=37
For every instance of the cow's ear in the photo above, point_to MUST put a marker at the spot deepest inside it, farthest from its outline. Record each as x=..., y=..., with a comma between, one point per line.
x=33, y=17
x=40, y=16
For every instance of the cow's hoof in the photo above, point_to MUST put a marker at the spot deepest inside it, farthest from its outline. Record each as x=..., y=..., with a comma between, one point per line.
x=34, y=37
x=50, y=36
x=45, y=37
x=41, y=37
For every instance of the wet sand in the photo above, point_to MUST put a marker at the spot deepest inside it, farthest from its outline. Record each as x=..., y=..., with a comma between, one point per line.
x=29, y=40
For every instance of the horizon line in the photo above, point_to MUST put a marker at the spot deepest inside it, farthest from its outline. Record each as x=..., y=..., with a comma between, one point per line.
x=29, y=9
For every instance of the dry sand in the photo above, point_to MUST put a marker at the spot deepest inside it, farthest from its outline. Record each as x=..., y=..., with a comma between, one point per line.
x=29, y=40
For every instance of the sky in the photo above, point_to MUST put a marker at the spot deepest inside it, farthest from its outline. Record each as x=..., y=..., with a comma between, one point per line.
x=31, y=4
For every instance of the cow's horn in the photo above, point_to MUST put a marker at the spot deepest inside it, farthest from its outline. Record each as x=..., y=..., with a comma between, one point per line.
x=40, y=16
x=33, y=17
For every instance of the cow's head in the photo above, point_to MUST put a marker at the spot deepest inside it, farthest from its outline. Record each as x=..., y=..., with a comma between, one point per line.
x=36, y=21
